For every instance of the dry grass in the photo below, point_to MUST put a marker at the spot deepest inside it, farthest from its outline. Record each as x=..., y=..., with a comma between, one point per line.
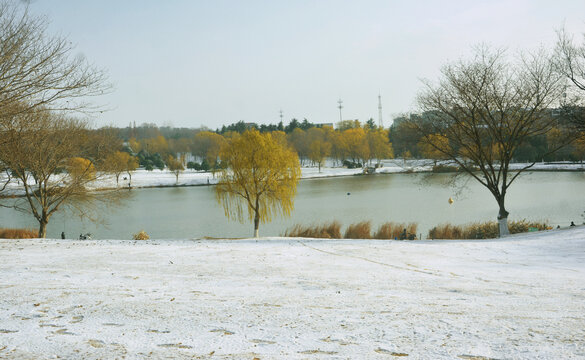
x=142, y=235
x=361, y=230
x=485, y=230
x=18, y=234
x=391, y=230
x=330, y=230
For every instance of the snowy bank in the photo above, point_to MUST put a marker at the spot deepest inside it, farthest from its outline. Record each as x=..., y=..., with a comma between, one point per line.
x=164, y=178
x=516, y=298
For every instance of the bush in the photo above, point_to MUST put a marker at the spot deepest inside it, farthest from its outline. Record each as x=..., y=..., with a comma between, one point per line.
x=445, y=169
x=204, y=165
x=142, y=235
x=331, y=230
x=18, y=234
x=360, y=230
x=392, y=230
x=351, y=165
x=485, y=230
x=193, y=165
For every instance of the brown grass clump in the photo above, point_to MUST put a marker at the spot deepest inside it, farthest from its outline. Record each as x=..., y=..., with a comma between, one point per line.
x=391, y=230
x=361, y=230
x=525, y=226
x=485, y=230
x=142, y=235
x=330, y=230
x=18, y=234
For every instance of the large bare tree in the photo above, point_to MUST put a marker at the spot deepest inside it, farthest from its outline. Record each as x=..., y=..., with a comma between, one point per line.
x=570, y=58
x=570, y=62
x=38, y=70
x=486, y=108
x=50, y=157
x=42, y=84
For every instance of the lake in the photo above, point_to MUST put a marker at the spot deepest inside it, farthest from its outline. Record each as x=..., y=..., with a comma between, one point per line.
x=193, y=212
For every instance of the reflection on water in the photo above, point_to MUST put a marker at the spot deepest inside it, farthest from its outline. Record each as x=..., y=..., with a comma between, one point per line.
x=193, y=212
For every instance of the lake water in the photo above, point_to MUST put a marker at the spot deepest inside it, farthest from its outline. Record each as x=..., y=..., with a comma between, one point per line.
x=192, y=212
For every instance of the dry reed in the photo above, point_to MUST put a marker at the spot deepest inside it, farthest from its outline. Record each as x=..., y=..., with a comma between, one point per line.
x=485, y=230
x=361, y=230
x=18, y=234
x=392, y=230
x=142, y=235
x=330, y=230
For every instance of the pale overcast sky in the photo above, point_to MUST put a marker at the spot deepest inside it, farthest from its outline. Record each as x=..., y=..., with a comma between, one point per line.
x=189, y=63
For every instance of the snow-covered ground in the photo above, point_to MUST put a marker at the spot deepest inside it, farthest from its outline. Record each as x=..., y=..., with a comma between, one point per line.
x=517, y=298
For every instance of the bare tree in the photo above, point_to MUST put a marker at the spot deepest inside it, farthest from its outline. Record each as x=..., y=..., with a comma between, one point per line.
x=486, y=108
x=49, y=155
x=38, y=74
x=570, y=59
x=37, y=70
x=570, y=62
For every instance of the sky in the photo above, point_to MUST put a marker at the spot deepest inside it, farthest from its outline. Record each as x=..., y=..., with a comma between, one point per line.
x=193, y=63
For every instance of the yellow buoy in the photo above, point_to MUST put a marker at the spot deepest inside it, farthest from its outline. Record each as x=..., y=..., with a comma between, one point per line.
x=450, y=200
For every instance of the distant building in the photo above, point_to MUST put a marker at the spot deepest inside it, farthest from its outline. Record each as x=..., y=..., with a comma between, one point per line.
x=324, y=124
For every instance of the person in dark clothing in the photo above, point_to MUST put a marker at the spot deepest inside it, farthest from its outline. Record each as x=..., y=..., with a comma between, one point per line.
x=62, y=234
x=572, y=224
x=403, y=235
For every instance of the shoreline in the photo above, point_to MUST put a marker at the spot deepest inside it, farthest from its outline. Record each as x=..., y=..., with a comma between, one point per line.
x=143, y=179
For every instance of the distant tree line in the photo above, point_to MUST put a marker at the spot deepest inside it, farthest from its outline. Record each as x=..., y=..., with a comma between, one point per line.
x=408, y=142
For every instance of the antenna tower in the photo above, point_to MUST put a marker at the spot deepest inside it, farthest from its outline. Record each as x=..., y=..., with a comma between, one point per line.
x=340, y=107
x=280, y=115
x=380, y=122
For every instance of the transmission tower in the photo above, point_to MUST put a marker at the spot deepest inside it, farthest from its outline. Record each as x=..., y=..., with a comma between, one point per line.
x=340, y=107
x=380, y=122
x=280, y=115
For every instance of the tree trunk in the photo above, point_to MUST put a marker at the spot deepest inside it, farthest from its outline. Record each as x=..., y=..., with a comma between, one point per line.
x=256, y=220
x=256, y=223
x=503, y=219
x=43, y=227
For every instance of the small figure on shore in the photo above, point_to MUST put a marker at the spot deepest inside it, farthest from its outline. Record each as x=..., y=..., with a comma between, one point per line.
x=572, y=224
x=63, y=235
x=403, y=235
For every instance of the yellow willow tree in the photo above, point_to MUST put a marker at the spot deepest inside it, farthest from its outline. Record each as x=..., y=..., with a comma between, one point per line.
x=119, y=162
x=207, y=146
x=434, y=146
x=380, y=147
x=261, y=176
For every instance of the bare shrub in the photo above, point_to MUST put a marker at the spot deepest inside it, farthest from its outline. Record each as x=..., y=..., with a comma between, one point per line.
x=361, y=230
x=18, y=234
x=330, y=230
x=142, y=235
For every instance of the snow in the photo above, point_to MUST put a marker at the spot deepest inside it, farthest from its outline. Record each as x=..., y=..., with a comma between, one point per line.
x=515, y=298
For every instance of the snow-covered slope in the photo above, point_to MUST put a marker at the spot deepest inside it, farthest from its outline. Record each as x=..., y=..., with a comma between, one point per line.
x=516, y=298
